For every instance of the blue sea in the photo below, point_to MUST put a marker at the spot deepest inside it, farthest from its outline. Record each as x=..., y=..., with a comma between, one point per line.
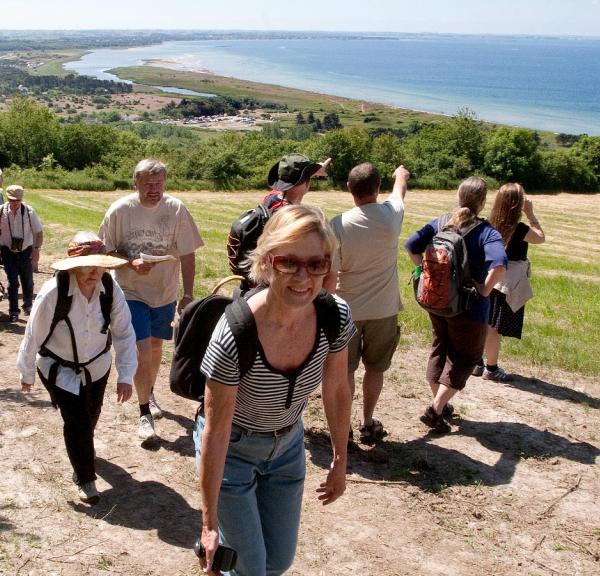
x=548, y=83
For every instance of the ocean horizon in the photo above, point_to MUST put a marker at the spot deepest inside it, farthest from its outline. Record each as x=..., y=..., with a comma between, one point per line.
x=543, y=83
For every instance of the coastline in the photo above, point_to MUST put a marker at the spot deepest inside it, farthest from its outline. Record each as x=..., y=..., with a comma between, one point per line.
x=352, y=109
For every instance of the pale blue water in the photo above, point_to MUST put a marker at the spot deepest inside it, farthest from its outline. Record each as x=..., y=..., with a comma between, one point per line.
x=543, y=83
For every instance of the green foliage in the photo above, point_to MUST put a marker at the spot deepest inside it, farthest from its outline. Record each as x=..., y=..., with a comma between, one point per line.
x=30, y=132
x=565, y=170
x=348, y=147
x=512, y=155
x=588, y=148
x=81, y=145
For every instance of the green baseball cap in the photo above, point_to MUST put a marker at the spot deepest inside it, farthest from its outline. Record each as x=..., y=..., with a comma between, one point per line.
x=290, y=171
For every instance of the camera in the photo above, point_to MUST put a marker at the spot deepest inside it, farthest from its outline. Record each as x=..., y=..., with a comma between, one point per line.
x=16, y=244
x=224, y=560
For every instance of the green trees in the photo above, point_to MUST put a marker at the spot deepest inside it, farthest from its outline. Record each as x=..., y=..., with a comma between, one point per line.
x=77, y=154
x=512, y=154
x=29, y=132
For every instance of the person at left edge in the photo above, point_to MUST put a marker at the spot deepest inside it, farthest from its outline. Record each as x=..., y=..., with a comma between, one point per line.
x=154, y=223
x=73, y=359
x=21, y=238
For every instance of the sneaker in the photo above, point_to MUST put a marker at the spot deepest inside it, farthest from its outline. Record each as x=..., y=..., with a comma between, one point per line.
x=155, y=408
x=27, y=311
x=478, y=370
x=448, y=411
x=13, y=317
x=88, y=493
x=146, y=428
x=435, y=421
x=497, y=375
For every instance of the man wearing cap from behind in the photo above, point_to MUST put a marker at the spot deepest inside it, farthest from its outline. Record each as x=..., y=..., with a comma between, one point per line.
x=289, y=180
x=21, y=238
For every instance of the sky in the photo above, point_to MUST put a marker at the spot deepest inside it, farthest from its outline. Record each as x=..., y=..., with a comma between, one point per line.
x=534, y=17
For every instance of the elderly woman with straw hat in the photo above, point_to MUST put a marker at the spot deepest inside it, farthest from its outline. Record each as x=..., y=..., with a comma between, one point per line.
x=75, y=319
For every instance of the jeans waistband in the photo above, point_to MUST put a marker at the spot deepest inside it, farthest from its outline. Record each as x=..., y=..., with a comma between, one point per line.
x=268, y=434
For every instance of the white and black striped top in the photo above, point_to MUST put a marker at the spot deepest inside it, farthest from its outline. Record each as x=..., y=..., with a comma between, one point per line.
x=263, y=391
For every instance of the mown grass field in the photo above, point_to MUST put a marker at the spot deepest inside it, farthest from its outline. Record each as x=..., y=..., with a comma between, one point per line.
x=560, y=322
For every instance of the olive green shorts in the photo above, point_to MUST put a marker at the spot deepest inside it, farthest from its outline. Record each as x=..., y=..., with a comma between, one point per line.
x=374, y=343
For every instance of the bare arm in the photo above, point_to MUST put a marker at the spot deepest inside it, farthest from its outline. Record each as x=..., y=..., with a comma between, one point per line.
x=417, y=259
x=188, y=271
x=219, y=407
x=322, y=171
x=401, y=176
x=337, y=403
x=494, y=276
x=535, y=234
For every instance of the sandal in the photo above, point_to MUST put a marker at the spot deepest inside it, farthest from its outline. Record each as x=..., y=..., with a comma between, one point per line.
x=372, y=433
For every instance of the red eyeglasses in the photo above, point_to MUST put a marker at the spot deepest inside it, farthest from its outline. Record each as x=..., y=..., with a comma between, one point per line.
x=291, y=265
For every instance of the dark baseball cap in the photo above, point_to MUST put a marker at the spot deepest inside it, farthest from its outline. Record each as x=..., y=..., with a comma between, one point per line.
x=290, y=171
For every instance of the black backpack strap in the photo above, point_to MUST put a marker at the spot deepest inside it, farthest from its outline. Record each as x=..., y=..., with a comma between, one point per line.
x=106, y=300
x=328, y=315
x=243, y=327
x=63, y=303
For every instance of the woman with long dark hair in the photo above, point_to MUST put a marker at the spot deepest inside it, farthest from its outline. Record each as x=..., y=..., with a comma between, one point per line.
x=507, y=299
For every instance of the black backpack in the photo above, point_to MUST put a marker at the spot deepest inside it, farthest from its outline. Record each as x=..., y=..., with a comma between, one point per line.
x=61, y=313
x=246, y=231
x=196, y=326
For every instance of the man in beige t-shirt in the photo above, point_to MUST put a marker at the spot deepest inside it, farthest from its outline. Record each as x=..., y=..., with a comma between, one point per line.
x=367, y=278
x=158, y=235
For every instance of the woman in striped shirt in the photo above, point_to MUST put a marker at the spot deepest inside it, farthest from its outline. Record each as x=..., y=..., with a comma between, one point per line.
x=250, y=435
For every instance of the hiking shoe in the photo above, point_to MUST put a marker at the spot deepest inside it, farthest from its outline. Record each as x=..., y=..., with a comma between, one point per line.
x=478, y=370
x=88, y=493
x=146, y=428
x=448, y=411
x=370, y=434
x=435, y=421
x=497, y=375
x=155, y=408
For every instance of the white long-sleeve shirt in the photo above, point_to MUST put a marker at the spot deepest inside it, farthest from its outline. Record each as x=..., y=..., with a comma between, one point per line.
x=87, y=320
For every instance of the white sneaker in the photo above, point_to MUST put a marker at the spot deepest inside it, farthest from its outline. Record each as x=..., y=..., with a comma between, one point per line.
x=88, y=493
x=146, y=428
x=155, y=408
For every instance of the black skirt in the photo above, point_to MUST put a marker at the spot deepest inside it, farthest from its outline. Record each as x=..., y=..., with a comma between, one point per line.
x=502, y=318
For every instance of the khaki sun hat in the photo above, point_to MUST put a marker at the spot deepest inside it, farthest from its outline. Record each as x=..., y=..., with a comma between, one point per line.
x=86, y=249
x=15, y=192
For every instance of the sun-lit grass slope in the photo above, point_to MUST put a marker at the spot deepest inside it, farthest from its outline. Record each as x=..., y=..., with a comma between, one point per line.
x=560, y=322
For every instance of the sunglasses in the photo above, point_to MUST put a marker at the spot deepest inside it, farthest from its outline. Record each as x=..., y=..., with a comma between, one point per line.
x=291, y=265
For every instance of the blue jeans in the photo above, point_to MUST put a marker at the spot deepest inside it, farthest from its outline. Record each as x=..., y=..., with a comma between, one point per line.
x=17, y=266
x=260, y=498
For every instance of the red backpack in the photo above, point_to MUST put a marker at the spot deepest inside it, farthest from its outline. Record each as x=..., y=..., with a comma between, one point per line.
x=445, y=287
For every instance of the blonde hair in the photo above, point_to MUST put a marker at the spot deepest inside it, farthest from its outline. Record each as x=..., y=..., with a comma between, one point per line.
x=148, y=166
x=289, y=225
x=471, y=194
x=507, y=209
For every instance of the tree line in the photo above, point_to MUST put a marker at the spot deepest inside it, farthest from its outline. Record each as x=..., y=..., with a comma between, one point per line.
x=39, y=151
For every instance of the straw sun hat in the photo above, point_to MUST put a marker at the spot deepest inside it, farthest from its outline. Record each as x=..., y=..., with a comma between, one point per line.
x=86, y=249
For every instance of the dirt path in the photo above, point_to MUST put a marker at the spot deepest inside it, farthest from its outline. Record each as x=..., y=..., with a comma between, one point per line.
x=515, y=489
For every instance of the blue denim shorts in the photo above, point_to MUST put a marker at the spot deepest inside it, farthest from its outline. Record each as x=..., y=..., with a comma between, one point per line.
x=148, y=321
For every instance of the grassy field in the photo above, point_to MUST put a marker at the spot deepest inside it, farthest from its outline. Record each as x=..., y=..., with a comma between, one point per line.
x=560, y=322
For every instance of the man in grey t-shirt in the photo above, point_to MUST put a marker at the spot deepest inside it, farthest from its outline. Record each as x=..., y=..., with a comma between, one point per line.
x=367, y=278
